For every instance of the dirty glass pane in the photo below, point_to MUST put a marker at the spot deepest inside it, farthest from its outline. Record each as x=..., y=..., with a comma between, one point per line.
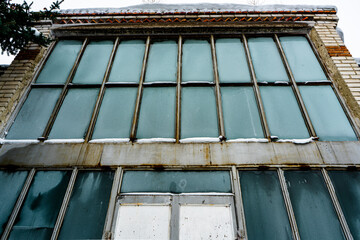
x=11, y=184
x=326, y=114
x=93, y=63
x=282, y=113
x=197, y=61
x=128, y=61
x=60, y=62
x=75, y=113
x=85, y=215
x=34, y=114
x=264, y=206
x=41, y=207
x=266, y=60
x=347, y=188
x=231, y=60
x=162, y=62
x=176, y=181
x=157, y=113
x=314, y=212
x=116, y=113
x=241, y=115
x=198, y=112
x=302, y=60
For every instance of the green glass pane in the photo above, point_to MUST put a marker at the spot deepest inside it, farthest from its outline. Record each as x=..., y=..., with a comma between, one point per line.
x=266, y=60
x=314, y=212
x=198, y=112
x=241, y=115
x=264, y=206
x=282, y=113
x=116, y=113
x=60, y=62
x=176, y=181
x=11, y=184
x=302, y=60
x=231, y=60
x=93, y=63
x=34, y=114
x=197, y=61
x=326, y=114
x=347, y=188
x=41, y=207
x=157, y=113
x=162, y=62
x=128, y=62
x=74, y=115
x=86, y=212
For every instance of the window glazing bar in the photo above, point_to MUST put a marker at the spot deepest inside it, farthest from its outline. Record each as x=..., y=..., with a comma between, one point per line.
x=101, y=93
x=175, y=218
x=296, y=90
x=240, y=215
x=256, y=88
x=337, y=206
x=140, y=90
x=18, y=204
x=178, y=91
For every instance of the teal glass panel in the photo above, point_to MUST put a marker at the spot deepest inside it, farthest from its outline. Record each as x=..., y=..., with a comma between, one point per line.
x=74, y=115
x=266, y=60
x=197, y=61
x=347, y=188
x=314, y=212
x=38, y=214
x=198, y=112
x=176, y=181
x=93, y=63
x=11, y=184
x=282, y=113
x=34, y=114
x=86, y=212
x=60, y=62
x=162, y=62
x=302, y=60
x=264, y=206
x=116, y=113
x=326, y=114
x=241, y=115
x=157, y=113
x=128, y=62
x=231, y=61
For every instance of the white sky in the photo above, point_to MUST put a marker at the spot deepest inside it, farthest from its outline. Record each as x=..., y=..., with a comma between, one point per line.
x=348, y=12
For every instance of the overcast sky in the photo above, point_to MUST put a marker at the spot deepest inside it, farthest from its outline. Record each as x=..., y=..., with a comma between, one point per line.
x=348, y=12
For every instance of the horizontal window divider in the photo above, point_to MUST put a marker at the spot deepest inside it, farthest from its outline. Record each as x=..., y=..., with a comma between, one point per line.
x=242, y=84
x=312, y=83
x=198, y=84
x=160, y=84
x=277, y=83
x=119, y=84
x=50, y=85
x=72, y=85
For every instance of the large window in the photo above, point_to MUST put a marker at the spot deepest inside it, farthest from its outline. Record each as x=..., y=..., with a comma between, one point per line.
x=183, y=89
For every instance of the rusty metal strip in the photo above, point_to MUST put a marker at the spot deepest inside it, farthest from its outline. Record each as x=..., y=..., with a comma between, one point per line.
x=295, y=88
x=101, y=93
x=256, y=89
x=240, y=214
x=18, y=204
x=337, y=206
x=217, y=90
x=139, y=93
x=178, y=91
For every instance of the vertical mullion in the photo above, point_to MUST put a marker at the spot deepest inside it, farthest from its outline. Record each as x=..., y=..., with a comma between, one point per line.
x=139, y=93
x=296, y=89
x=175, y=217
x=289, y=208
x=217, y=89
x=256, y=88
x=337, y=206
x=64, y=205
x=239, y=206
x=101, y=93
x=178, y=91
x=18, y=204
x=63, y=93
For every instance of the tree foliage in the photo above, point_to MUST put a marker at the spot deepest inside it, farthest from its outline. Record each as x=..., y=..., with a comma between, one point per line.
x=16, y=25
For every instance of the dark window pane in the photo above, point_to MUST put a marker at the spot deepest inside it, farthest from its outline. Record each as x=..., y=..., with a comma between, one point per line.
x=176, y=181
x=41, y=207
x=88, y=206
x=314, y=212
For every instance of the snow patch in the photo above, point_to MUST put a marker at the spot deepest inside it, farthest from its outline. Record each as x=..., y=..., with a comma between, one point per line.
x=200, y=140
x=248, y=140
x=5, y=141
x=297, y=141
x=282, y=82
x=321, y=81
x=110, y=140
x=156, y=140
x=37, y=33
x=76, y=140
